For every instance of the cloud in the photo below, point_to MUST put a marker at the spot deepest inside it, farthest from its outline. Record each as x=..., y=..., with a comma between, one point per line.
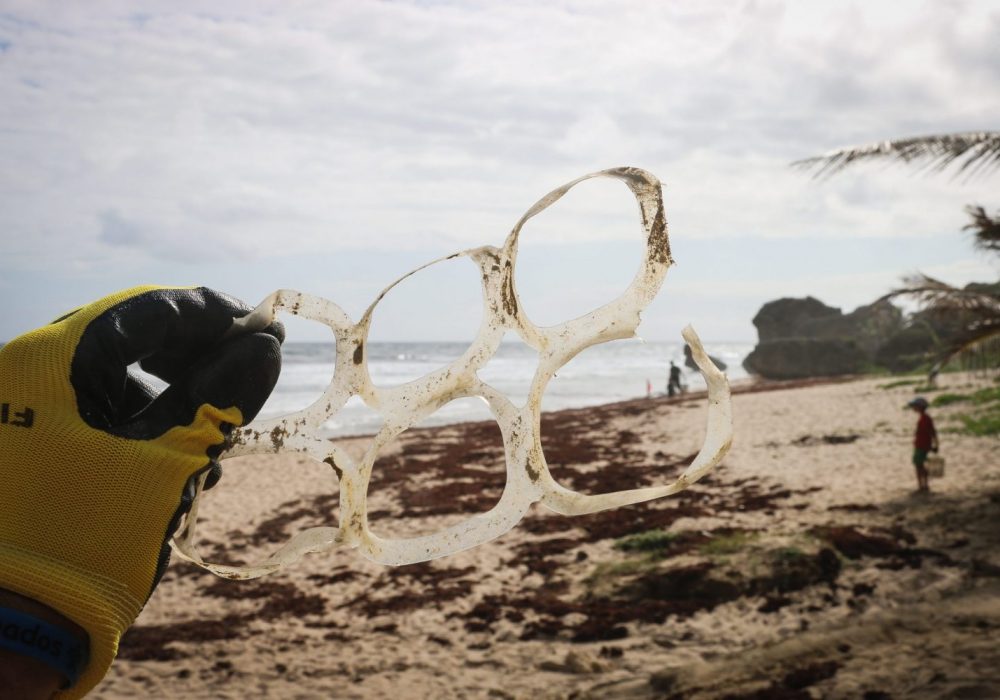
x=254, y=130
x=117, y=231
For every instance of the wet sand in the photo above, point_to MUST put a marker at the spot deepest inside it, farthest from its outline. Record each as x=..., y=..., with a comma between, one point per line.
x=804, y=566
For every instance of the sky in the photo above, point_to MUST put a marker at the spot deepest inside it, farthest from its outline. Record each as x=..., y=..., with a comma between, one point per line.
x=332, y=146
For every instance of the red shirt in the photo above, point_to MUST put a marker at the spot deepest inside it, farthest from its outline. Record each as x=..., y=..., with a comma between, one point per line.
x=924, y=438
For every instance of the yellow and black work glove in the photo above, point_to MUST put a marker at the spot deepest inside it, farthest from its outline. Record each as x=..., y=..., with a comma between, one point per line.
x=96, y=470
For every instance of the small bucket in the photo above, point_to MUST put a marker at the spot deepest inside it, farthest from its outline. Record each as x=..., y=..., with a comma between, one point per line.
x=934, y=466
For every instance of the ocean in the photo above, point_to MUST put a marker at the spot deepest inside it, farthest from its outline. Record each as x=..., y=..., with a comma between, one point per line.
x=602, y=374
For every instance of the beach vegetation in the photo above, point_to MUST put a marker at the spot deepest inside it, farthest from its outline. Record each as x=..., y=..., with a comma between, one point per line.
x=788, y=553
x=988, y=395
x=872, y=369
x=731, y=543
x=948, y=399
x=978, y=398
x=970, y=314
x=984, y=419
x=982, y=424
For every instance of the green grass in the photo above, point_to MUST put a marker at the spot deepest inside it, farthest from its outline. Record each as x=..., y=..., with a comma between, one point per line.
x=978, y=398
x=651, y=541
x=982, y=424
x=987, y=395
x=647, y=550
x=948, y=399
x=788, y=553
x=727, y=544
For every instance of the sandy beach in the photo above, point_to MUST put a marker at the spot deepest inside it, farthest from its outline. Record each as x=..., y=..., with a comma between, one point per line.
x=805, y=566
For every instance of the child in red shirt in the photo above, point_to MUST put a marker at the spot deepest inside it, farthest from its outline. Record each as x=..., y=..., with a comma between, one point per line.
x=924, y=441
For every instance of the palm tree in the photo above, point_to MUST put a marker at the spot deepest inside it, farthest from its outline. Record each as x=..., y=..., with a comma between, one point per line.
x=975, y=153
x=977, y=340
x=985, y=229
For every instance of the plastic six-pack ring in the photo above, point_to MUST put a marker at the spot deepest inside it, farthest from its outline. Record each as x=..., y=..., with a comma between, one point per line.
x=528, y=476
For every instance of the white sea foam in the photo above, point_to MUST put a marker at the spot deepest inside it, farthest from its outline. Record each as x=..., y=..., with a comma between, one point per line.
x=602, y=374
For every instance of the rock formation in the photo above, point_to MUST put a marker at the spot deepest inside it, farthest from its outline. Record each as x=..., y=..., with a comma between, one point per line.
x=691, y=364
x=806, y=338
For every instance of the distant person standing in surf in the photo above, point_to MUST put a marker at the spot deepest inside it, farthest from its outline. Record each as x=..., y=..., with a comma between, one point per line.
x=674, y=382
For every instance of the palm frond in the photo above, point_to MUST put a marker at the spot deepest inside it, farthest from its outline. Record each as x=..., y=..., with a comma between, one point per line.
x=940, y=297
x=985, y=228
x=977, y=343
x=977, y=348
x=975, y=153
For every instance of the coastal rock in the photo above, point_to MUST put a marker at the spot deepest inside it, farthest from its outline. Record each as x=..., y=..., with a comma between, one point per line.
x=799, y=358
x=788, y=317
x=802, y=338
x=691, y=364
x=869, y=326
x=907, y=349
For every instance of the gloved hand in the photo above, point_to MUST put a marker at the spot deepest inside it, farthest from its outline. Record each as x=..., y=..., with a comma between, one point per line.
x=95, y=469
